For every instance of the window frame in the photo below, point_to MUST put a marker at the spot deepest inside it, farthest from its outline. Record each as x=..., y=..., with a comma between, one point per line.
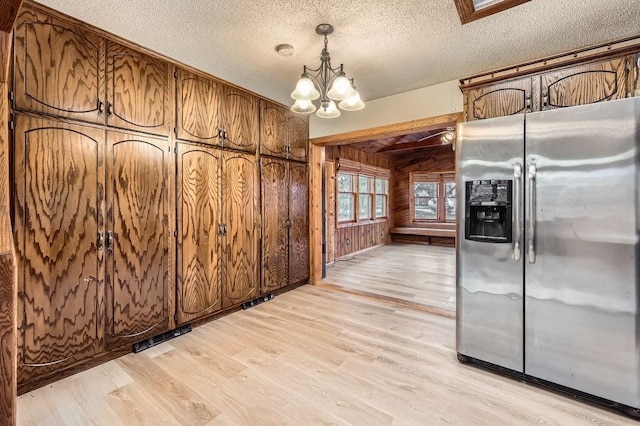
x=384, y=194
x=357, y=220
x=441, y=179
x=354, y=195
x=468, y=12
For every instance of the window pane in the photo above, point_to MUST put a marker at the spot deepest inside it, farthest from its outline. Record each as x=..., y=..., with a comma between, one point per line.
x=364, y=211
x=450, y=208
x=365, y=184
x=345, y=182
x=345, y=207
x=426, y=208
x=382, y=186
x=450, y=189
x=425, y=189
x=381, y=205
x=481, y=4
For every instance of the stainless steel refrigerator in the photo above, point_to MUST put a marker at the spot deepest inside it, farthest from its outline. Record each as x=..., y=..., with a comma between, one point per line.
x=548, y=249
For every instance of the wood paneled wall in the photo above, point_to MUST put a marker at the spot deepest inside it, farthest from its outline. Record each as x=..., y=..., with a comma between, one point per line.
x=346, y=239
x=437, y=159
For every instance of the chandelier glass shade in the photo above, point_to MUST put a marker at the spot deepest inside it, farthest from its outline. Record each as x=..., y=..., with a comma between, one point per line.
x=327, y=84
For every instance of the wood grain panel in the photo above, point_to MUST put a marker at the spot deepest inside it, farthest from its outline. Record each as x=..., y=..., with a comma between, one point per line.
x=8, y=11
x=330, y=203
x=498, y=100
x=437, y=159
x=333, y=153
x=137, y=272
x=59, y=68
x=273, y=127
x=198, y=108
x=297, y=137
x=240, y=210
x=241, y=120
x=299, y=267
x=601, y=81
x=137, y=90
x=59, y=180
x=199, y=218
x=275, y=217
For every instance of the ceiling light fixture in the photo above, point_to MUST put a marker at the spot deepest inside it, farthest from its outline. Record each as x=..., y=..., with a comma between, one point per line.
x=327, y=83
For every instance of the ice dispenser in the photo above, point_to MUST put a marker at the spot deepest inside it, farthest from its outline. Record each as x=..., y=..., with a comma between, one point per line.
x=488, y=211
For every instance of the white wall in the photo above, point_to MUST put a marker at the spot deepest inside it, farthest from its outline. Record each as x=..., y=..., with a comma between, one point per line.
x=444, y=98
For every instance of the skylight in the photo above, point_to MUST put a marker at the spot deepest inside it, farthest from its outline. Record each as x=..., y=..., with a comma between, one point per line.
x=481, y=4
x=471, y=10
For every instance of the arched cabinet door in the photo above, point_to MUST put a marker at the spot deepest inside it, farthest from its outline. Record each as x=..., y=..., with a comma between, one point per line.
x=299, y=269
x=273, y=136
x=240, y=228
x=137, y=90
x=199, y=217
x=297, y=137
x=275, y=222
x=198, y=108
x=501, y=99
x=240, y=120
x=58, y=68
x=59, y=206
x=137, y=242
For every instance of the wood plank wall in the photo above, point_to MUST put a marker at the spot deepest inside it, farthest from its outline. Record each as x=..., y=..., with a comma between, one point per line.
x=351, y=238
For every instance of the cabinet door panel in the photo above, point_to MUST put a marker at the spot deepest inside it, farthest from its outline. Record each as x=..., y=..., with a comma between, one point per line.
x=299, y=216
x=275, y=241
x=240, y=191
x=241, y=120
x=297, y=138
x=499, y=100
x=602, y=81
x=274, y=129
x=59, y=188
x=137, y=90
x=59, y=68
x=199, y=217
x=198, y=108
x=137, y=273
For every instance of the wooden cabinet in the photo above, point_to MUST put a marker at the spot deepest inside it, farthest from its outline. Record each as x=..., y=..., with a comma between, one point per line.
x=137, y=239
x=240, y=228
x=283, y=133
x=199, y=233
x=500, y=99
x=213, y=113
x=58, y=68
x=137, y=90
x=285, y=216
x=59, y=175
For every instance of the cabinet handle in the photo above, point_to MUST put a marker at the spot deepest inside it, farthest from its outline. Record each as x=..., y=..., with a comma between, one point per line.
x=89, y=279
x=110, y=238
x=109, y=109
x=100, y=240
x=545, y=100
x=528, y=103
x=220, y=137
x=100, y=108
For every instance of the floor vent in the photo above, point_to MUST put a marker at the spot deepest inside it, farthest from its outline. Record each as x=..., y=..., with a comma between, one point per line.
x=160, y=338
x=259, y=300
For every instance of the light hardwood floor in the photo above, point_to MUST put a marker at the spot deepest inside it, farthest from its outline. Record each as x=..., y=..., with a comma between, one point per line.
x=420, y=275
x=310, y=356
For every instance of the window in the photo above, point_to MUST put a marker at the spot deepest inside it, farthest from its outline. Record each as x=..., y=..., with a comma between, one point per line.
x=471, y=10
x=382, y=193
x=364, y=197
x=434, y=197
x=346, y=197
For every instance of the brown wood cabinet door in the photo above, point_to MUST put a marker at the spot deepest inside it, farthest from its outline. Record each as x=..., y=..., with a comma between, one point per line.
x=501, y=99
x=199, y=218
x=198, y=108
x=275, y=219
x=273, y=130
x=585, y=84
x=59, y=68
x=137, y=249
x=241, y=236
x=241, y=120
x=297, y=138
x=299, y=269
x=59, y=207
x=137, y=90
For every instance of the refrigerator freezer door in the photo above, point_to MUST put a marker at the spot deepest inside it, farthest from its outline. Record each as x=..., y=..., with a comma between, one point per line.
x=581, y=305
x=490, y=275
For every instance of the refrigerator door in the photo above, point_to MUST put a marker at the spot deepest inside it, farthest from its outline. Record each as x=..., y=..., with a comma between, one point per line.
x=581, y=307
x=490, y=274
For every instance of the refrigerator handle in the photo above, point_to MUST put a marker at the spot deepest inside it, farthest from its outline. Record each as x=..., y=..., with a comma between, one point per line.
x=517, y=212
x=531, y=212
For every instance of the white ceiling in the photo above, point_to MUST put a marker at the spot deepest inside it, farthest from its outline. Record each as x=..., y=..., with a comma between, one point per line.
x=389, y=47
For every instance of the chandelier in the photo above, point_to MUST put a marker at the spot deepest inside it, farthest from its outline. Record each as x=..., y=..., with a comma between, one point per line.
x=327, y=83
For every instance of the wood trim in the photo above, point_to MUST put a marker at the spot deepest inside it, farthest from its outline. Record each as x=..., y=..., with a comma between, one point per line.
x=316, y=166
x=8, y=12
x=578, y=56
x=405, y=128
x=468, y=12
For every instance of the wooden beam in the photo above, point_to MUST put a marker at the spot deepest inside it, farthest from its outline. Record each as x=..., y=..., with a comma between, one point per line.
x=316, y=160
x=8, y=12
x=415, y=126
x=433, y=140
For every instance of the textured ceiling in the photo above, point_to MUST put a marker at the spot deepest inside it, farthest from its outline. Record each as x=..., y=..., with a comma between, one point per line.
x=389, y=47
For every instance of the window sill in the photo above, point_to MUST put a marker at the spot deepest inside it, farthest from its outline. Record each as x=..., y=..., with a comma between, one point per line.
x=362, y=222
